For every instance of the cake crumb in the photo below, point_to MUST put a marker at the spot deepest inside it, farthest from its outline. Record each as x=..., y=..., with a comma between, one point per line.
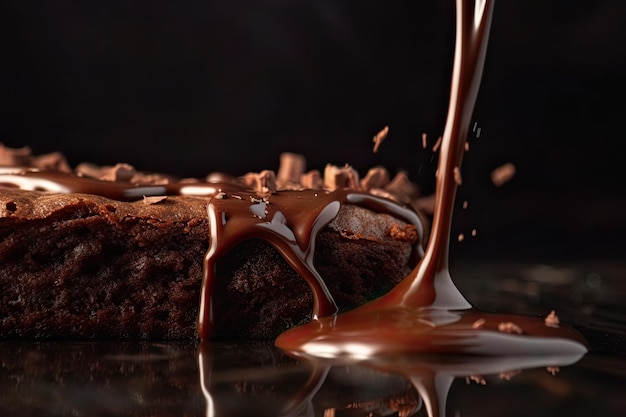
x=465, y=204
x=380, y=137
x=466, y=145
x=502, y=174
x=406, y=233
x=509, y=327
x=552, y=320
x=474, y=232
x=461, y=237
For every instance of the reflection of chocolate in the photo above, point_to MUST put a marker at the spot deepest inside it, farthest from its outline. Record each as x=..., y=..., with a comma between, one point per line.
x=432, y=377
x=248, y=379
x=426, y=313
x=244, y=379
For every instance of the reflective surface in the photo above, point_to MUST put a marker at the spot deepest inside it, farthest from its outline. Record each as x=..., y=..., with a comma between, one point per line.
x=256, y=379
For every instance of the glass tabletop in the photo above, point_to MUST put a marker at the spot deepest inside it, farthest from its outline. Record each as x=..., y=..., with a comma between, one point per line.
x=256, y=379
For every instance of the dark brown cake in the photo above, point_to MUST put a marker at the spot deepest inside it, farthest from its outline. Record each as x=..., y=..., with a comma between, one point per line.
x=83, y=266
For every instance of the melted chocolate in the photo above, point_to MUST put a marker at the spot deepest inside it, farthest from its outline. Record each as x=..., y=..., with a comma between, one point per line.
x=425, y=312
x=289, y=221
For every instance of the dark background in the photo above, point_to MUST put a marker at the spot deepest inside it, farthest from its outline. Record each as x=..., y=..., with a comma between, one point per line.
x=191, y=87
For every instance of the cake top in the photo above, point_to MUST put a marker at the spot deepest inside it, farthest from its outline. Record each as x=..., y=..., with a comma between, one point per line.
x=287, y=210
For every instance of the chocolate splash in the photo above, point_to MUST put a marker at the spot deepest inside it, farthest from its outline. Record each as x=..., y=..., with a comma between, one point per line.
x=425, y=312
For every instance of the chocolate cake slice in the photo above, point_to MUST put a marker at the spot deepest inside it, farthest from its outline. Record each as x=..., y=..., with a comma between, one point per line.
x=121, y=265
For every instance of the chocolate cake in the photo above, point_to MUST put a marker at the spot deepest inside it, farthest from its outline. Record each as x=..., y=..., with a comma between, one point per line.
x=112, y=253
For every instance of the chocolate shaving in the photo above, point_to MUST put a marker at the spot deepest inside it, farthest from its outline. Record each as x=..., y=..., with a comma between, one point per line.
x=54, y=161
x=15, y=156
x=117, y=173
x=437, y=144
x=217, y=177
x=264, y=182
x=379, y=192
x=153, y=199
x=478, y=379
x=341, y=177
x=380, y=137
x=155, y=179
x=509, y=327
x=502, y=174
x=292, y=167
x=425, y=204
x=401, y=185
x=312, y=180
x=478, y=324
x=553, y=370
x=377, y=177
x=552, y=320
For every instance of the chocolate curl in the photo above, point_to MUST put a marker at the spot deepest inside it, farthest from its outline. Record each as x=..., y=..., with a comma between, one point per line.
x=377, y=177
x=116, y=173
x=341, y=177
x=292, y=167
x=264, y=182
x=15, y=156
x=312, y=180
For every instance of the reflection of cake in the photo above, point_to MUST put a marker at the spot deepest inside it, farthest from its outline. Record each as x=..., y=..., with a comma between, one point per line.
x=80, y=265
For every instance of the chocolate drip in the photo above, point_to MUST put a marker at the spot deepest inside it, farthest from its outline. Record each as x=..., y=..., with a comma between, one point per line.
x=289, y=221
x=425, y=312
